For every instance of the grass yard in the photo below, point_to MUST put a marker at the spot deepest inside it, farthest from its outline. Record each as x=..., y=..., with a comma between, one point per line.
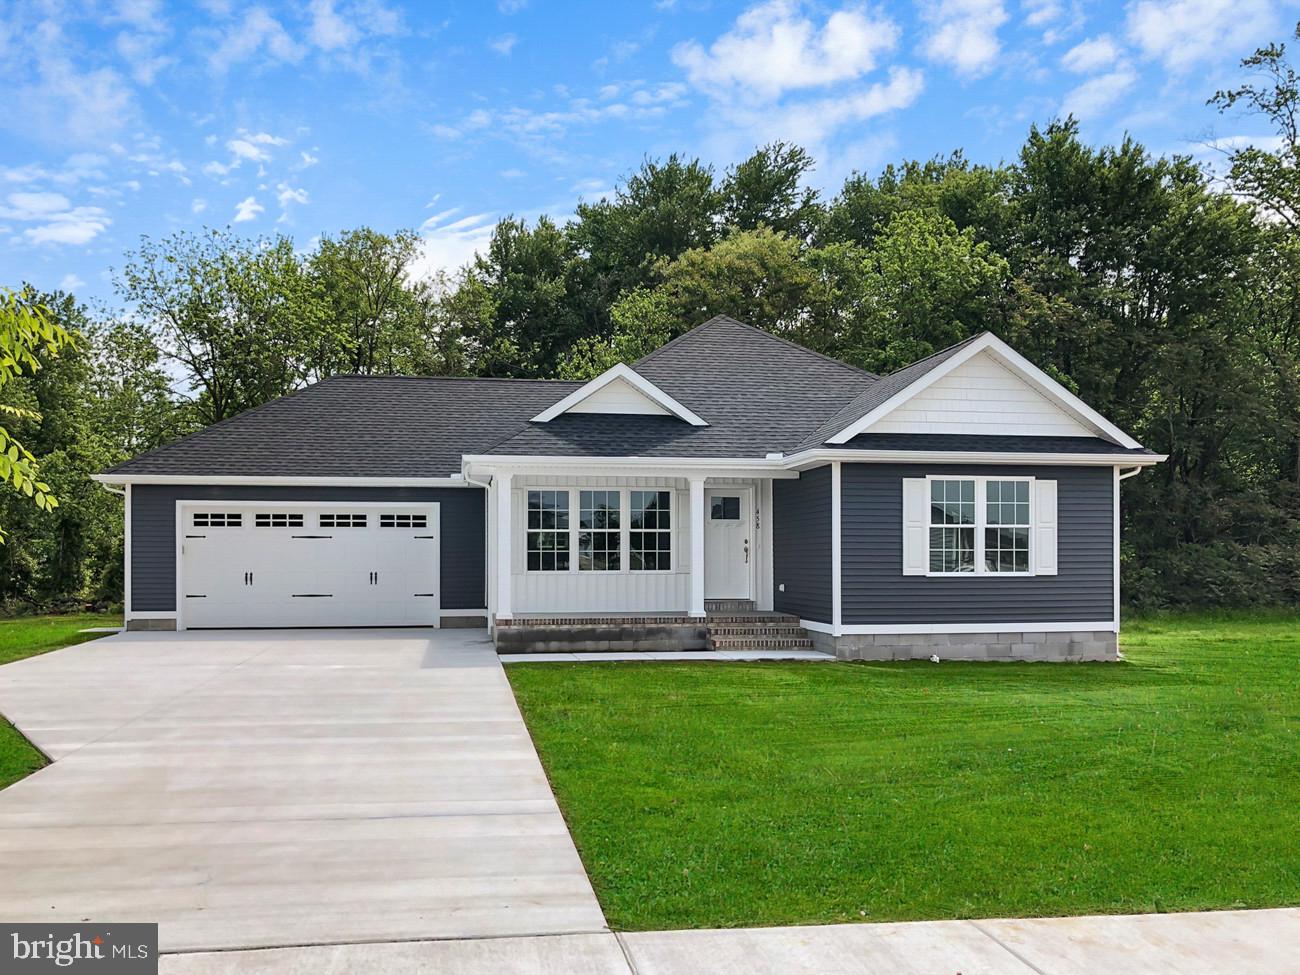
x=705, y=795
x=26, y=636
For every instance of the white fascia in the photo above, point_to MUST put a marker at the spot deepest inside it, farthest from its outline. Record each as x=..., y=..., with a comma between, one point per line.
x=633, y=378
x=631, y=466
x=822, y=455
x=1013, y=360
x=453, y=480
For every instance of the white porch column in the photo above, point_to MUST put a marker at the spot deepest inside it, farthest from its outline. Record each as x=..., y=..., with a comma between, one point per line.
x=505, y=535
x=697, y=546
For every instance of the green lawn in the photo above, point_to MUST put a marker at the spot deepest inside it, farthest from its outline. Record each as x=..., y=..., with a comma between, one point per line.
x=722, y=795
x=26, y=636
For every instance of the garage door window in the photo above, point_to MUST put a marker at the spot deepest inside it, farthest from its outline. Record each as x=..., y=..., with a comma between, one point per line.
x=217, y=519
x=403, y=521
x=342, y=521
x=277, y=520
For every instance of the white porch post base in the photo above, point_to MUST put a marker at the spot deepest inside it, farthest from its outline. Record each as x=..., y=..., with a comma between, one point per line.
x=697, y=546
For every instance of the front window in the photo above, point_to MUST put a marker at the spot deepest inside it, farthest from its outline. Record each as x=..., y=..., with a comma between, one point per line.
x=650, y=538
x=598, y=531
x=979, y=526
x=952, y=526
x=548, y=531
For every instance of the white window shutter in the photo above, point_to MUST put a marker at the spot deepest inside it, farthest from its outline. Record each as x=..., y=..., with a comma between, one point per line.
x=916, y=525
x=1044, y=542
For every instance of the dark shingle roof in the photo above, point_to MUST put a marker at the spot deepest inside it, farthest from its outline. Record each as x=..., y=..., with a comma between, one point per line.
x=758, y=393
x=359, y=426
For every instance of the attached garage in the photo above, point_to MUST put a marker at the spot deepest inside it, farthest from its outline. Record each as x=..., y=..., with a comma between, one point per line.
x=287, y=564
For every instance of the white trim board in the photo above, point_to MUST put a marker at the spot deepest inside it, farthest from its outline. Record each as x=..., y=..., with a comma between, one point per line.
x=454, y=480
x=850, y=629
x=1016, y=363
x=625, y=374
x=822, y=455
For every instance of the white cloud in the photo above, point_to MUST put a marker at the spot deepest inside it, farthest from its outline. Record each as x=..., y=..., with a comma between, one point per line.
x=248, y=209
x=774, y=48
x=1096, y=95
x=328, y=30
x=70, y=282
x=504, y=44
x=448, y=244
x=511, y=6
x=964, y=34
x=243, y=149
x=55, y=220
x=287, y=195
x=1091, y=55
x=258, y=32
x=812, y=122
x=1039, y=13
x=308, y=159
x=198, y=205
x=1180, y=33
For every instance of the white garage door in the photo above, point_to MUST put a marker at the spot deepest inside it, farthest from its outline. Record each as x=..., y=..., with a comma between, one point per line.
x=283, y=564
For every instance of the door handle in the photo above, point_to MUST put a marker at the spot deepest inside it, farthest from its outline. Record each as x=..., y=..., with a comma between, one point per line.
x=747, y=551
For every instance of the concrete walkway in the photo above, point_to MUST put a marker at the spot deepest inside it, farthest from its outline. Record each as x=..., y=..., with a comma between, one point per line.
x=1216, y=943
x=250, y=789
x=1241, y=942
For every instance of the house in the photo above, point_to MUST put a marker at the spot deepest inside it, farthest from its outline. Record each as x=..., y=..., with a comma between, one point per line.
x=731, y=488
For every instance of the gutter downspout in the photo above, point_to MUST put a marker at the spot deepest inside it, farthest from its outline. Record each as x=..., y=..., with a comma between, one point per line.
x=1124, y=476
x=487, y=513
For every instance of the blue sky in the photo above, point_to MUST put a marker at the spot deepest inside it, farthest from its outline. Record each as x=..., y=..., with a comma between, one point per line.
x=137, y=117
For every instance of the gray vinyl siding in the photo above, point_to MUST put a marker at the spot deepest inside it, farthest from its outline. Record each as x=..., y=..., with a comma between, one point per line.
x=153, y=534
x=875, y=591
x=801, y=545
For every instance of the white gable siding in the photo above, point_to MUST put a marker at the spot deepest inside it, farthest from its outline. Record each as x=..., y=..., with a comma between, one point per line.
x=982, y=397
x=619, y=397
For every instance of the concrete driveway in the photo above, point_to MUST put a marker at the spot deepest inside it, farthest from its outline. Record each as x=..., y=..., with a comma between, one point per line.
x=253, y=789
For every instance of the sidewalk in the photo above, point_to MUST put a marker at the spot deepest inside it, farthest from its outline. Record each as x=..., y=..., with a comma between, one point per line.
x=1211, y=943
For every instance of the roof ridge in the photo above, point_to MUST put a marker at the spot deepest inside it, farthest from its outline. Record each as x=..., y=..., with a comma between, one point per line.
x=462, y=379
x=718, y=319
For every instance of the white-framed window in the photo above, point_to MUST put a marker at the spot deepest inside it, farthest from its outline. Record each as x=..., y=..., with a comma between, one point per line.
x=980, y=526
x=599, y=535
x=548, y=531
x=403, y=521
x=598, y=530
x=277, y=519
x=341, y=521
x=650, y=534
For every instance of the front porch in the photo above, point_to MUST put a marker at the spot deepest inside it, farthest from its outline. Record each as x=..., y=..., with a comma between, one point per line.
x=630, y=558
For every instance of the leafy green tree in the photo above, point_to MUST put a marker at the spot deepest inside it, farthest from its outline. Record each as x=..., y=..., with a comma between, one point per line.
x=242, y=318
x=376, y=315
x=27, y=331
x=643, y=320
x=767, y=190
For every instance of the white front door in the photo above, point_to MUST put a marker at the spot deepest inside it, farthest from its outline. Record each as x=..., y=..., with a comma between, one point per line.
x=307, y=564
x=728, y=542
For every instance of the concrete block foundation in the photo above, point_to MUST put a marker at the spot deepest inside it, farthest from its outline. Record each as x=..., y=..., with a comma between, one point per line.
x=1062, y=646
x=596, y=635
x=151, y=624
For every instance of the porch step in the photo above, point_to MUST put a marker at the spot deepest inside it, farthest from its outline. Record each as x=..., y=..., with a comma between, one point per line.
x=754, y=630
x=759, y=643
x=728, y=605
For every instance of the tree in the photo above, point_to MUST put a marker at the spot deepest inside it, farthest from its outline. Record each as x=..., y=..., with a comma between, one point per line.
x=376, y=315
x=27, y=331
x=1271, y=178
x=925, y=285
x=766, y=190
x=242, y=318
x=643, y=320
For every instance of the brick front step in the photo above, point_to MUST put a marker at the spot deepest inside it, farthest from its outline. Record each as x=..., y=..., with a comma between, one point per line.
x=757, y=631
x=762, y=643
x=752, y=619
